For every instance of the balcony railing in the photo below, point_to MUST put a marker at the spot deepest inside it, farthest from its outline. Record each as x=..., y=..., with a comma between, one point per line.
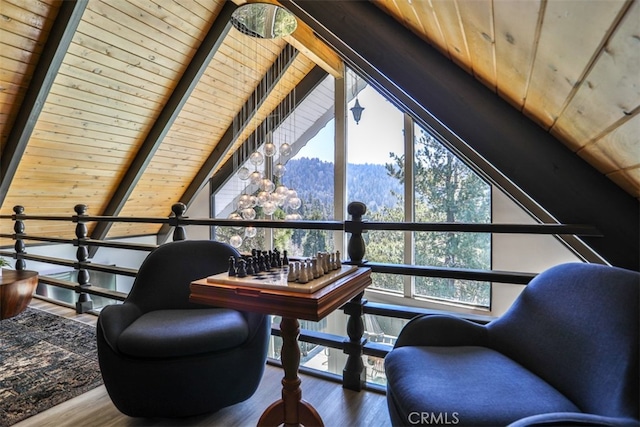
x=376, y=347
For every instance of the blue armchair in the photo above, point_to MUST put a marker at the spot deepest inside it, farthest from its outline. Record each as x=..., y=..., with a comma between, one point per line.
x=565, y=353
x=163, y=356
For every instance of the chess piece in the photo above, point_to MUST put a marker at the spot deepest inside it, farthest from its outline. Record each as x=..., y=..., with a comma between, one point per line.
x=262, y=266
x=292, y=272
x=338, y=261
x=332, y=261
x=242, y=268
x=320, y=263
x=250, y=270
x=232, y=266
x=315, y=268
x=285, y=258
x=278, y=259
x=304, y=273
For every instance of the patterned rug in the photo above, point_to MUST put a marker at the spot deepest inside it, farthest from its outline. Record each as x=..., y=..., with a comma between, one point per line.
x=44, y=360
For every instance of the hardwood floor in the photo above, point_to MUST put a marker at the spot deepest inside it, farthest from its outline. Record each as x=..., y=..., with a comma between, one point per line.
x=338, y=407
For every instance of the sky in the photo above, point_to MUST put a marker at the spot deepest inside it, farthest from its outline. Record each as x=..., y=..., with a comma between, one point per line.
x=378, y=133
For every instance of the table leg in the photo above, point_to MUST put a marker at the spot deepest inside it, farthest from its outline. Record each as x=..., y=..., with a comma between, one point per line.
x=291, y=410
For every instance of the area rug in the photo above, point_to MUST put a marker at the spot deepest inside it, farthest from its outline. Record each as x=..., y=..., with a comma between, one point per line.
x=44, y=360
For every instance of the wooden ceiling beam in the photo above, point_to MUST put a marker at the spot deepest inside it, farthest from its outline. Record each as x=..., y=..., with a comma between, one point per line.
x=512, y=151
x=167, y=116
x=55, y=49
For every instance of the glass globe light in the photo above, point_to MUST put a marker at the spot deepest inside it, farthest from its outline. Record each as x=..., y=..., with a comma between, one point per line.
x=248, y=213
x=243, y=173
x=235, y=216
x=294, y=203
x=253, y=201
x=292, y=193
x=269, y=207
x=235, y=241
x=255, y=177
x=285, y=150
x=267, y=185
x=250, y=232
x=281, y=190
x=269, y=149
x=293, y=217
x=263, y=196
x=244, y=201
x=279, y=170
x=256, y=158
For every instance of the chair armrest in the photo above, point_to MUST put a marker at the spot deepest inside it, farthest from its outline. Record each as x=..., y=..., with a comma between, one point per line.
x=574, y=419
x=114, y=319
x=441, y=330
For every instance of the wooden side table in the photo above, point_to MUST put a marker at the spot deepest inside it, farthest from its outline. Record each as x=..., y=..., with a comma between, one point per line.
x=16, y=289
x=290, y=410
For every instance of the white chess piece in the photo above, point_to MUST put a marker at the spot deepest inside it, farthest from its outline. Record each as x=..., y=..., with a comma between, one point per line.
x=304, y=274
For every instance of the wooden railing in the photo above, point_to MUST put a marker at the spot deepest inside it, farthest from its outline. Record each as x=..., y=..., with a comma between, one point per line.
x=356, y=250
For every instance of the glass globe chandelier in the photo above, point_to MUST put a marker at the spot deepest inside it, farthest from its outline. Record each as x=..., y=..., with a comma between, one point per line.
x=260, y=162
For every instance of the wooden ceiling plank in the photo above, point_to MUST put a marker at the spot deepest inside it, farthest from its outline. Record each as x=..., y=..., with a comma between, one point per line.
x=610, y=91
x=185, y=86
x=113, y=93
x=477, y=21
x=87, y=77
x=50, y=121
x=139, y=20
x=448, y=16
x=92, y=48
x=570, y=32
x=516, y=25
x=170, y=19
x=69, y=16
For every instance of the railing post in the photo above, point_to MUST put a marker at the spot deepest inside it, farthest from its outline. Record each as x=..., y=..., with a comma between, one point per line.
x=178, y=210
x=356, y=247
x=354, y=375
x=18, y=228
x=84, y=302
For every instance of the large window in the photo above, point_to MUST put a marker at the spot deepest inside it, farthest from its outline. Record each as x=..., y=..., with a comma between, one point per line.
x=442, y=189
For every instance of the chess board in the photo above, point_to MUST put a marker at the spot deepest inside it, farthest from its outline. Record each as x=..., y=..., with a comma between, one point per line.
x=274, y=279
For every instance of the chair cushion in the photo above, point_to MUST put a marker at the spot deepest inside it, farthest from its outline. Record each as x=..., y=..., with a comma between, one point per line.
x=172, y=333
x=469, y=385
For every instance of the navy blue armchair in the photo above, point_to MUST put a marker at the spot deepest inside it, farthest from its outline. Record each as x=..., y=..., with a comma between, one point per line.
x=163, y=356
x=565, y=353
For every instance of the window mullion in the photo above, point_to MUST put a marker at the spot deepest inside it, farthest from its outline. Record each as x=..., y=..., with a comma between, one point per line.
x=409, y=205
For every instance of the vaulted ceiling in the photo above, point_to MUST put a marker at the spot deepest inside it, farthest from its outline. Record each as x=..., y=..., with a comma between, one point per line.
x=128, y=105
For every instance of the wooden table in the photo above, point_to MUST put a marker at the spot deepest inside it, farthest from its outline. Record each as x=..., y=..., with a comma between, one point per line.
x=16, y=290
x=290, y=410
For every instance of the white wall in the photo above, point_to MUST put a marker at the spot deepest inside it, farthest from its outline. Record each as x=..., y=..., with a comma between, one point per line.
x=520, y=252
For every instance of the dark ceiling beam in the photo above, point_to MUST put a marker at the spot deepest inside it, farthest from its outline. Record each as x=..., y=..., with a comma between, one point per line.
x=167, y=116
x=55, y=48
x=513, y=151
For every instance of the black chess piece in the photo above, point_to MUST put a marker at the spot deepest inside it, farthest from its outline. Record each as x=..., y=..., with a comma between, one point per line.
x=256, y=266
x=232, y=266
x=261, y=263
x=277, y=258
x=242, y=268
x=250, y=270
x=285, y=258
